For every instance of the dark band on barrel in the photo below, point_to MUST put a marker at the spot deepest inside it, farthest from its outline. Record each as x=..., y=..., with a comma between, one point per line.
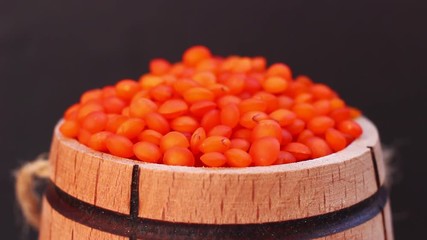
x=138, y=228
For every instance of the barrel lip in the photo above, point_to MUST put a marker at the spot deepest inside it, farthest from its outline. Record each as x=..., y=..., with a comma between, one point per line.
x=234, y=195
x=367, y=139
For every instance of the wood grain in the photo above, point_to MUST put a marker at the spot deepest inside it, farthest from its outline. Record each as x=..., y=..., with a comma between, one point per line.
x=56, y=226
x=222, y=195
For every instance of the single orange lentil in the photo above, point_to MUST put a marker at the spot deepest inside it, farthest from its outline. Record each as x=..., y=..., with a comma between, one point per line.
x=285, y=157
x=303, y=98
x=238, y=158
x=119, y=146
x=159, y=66
x=267, y=128
x=252, y=104
x=304, y=81
x=296, y=127
x=109, y=91
x=141, y=94
x=337, y=103
x=147, y=152
x=251, y=119
x=240, y=144
x=205, y=79
x=281, y=70
x=215, y=144
x=161, y=93
x=299, y=150
x=149, y=81
x=131, y=128
x=318, y=147
x=157, y=122
x=335, y=139
x=184, y=124
x=178, y=156
x=182, y=85
x=95, y=94
x=113, y=105
x=230, y=115
x=235, y=83
x=285, y=102
x=252, y=85
x=219, y=90
x=304, y=111
x=84, y=136
x=210, y=120
x=283, y=116
x=126, y=88
x=71, y=112
x=286, y=137
x=200, y=108
x=321, y=91
x=322, y=107
x=95, y=122
x=196, y=94
x=89, y=108
x=173, y=139
x=198, y=136
x=258, y=64
x=264, y=151
x=228, y=99
x=304, y=135
x=221, y=130
x=275, y=84
x=351, y=128
x=195, y=54
x=319, y=125
x=98, y=140
x=173, y=108
x=70, y=128
x=151, y=136
x=141, y=107
x=213, y=159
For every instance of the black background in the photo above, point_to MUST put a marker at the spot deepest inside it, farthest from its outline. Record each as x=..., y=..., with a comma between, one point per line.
x=372, y=52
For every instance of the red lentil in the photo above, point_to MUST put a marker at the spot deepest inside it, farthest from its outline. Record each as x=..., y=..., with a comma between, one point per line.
x=215, y=112
x=213, y=159
x=147, y=152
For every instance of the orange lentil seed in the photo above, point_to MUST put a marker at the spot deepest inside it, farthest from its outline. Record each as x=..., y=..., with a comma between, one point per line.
x=299, y=150
x=238, y=158
x=173, y=139
x=215, y=144
x=131, y=128
x=119, y=146
x=178, y=156
x=213, y=159
x=264, y=151
x=147, y=152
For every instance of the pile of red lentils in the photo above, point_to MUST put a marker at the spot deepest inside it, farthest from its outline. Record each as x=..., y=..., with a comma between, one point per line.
x=215, y=112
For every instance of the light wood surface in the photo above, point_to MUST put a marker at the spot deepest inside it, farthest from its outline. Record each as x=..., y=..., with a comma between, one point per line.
x=57, y=227
x=221, y=195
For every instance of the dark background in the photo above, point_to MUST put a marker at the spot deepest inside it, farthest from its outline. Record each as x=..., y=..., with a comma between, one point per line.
x=372, y=52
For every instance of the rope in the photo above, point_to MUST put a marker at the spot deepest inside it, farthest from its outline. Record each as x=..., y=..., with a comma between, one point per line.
x=28, y=200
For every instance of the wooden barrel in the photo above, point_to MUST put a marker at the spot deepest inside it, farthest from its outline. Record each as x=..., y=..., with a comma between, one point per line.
x=94, y=195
